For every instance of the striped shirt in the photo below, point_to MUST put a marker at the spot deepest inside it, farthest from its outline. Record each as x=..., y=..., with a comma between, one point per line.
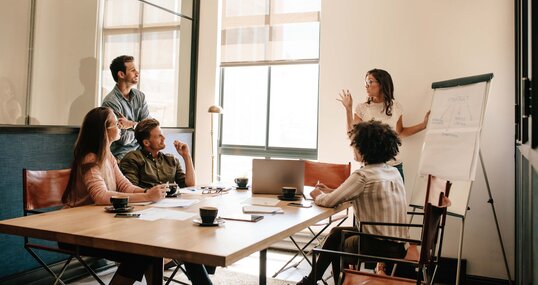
x=377, y=193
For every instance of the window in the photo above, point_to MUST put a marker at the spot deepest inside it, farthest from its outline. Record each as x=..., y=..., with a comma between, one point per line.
x=158, y=34
x=269, y=82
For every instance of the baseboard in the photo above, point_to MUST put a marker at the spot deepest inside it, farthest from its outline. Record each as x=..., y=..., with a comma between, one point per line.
x=73, y=272
x=480, y=280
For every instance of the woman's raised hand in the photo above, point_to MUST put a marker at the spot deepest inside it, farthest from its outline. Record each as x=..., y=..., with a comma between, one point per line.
x=346, y=99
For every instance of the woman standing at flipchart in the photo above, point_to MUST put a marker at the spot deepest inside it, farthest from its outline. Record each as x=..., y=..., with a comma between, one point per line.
x=380, y=106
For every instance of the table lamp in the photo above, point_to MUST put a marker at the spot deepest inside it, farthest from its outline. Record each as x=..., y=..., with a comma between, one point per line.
x=213, y=109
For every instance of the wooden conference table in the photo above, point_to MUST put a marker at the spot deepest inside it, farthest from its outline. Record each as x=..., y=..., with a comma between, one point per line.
x=179, y=239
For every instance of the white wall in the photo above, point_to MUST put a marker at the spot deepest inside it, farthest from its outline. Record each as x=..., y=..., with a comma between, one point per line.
x=420, y=42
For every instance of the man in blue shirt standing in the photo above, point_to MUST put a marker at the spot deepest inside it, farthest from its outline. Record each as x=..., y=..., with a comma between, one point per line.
x=128, y=103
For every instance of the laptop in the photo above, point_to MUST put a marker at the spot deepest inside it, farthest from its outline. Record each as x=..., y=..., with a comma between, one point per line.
x=270, y=175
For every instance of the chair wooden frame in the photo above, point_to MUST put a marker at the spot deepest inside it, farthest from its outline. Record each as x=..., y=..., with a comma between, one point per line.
x=432, y=232
x=332, y=175
x=42, y=192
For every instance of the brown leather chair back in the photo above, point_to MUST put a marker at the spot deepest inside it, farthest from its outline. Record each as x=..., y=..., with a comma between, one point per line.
x=43, y=189
x=330, y=174
x=438, y=189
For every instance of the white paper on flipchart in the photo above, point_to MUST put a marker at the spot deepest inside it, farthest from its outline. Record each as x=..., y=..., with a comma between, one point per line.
x=450, y=155
x=452, y=139
x=458, y=107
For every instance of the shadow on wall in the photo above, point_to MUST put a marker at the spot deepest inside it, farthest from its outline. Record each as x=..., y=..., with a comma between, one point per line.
x=85, y=101
x=11, y=110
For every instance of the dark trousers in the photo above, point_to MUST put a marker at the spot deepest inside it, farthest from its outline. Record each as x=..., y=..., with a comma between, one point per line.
x=369, y=246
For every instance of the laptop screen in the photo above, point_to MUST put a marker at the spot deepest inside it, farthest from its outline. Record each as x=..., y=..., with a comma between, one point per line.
x=270, y=175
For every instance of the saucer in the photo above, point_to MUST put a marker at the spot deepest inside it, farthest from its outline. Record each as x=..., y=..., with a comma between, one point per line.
x=111, y=209
x=217, y=222
x=241, y=188
x=294, y=198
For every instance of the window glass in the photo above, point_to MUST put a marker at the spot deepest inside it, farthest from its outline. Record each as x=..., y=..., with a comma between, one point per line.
x=293, y=41
x=160, y=42
x=234, y=166
x=245, y=105
x=245, y=44
x=296, y=6
x=294, y=106
x=158, y=74
x=269, y=91
x=121, y=13
x=233, y=8
x=156, y=16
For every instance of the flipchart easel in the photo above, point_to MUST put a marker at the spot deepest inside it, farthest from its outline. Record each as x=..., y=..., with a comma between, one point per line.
x=451, y=147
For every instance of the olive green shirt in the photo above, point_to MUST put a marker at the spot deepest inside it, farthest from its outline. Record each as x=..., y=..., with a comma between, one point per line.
x=143, y=170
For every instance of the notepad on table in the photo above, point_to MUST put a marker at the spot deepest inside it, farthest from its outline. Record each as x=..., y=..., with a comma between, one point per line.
x=250, y=209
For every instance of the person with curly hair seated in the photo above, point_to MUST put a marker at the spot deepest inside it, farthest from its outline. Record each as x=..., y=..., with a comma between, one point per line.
x=377, y=193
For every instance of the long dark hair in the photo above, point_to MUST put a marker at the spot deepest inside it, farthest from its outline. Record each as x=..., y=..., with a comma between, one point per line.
x=92, y=138
x=387, y=88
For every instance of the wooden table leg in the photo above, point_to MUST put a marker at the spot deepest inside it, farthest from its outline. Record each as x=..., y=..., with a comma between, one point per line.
x=263, y=267
x=154, y=275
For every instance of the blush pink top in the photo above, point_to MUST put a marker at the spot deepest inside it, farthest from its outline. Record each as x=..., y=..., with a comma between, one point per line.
x=98, y=184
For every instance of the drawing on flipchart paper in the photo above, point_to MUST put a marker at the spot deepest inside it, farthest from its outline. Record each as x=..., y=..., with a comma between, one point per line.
x=456, y=114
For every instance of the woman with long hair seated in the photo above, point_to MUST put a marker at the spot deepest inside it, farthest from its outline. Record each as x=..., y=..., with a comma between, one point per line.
x=95, y=177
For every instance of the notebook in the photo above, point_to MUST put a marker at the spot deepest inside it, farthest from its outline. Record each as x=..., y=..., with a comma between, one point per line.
x=270, y=175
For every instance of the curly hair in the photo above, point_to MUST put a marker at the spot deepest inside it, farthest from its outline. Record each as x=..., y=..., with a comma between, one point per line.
x=144, y=128
x=387, y=88
x=375, y=141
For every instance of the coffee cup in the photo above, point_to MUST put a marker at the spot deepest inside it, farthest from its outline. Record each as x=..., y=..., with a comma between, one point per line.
x=119, y=202
x=241, y=182
x=208, y=214
x=172, y=189
x=288, y=192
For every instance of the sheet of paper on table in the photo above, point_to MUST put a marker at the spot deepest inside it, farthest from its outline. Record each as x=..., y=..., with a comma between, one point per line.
x=152, y=214
x=174, y=203
x=249, y=209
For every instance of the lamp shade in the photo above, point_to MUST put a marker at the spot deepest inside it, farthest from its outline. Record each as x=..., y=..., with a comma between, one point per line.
x=215, y=109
